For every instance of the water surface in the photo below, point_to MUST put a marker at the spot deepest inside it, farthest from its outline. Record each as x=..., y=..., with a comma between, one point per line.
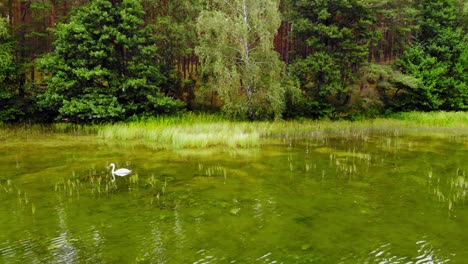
x=328, y=200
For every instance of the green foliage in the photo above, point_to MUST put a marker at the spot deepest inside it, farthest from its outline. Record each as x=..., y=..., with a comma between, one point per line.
x=396, y=22
x=424, y=94
x=116, y=60
x=440, y=32
x=301, y=104
x=375, y=73
x=457, y=94
x=164, y=104
x=6, y=50
x=11, y=107
x=104, y=65
x=337, y=36
x=403, y=81
x=438, y=61
x=303, y=107
x=176, y=37
x=318, y=74
x=238, y=59
x=100, y=105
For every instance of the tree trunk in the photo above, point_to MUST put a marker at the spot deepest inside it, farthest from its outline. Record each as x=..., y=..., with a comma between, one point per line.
x=248, y=87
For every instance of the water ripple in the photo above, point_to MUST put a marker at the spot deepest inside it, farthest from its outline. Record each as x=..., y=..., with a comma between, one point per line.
x=267, y=259
x=25, y=250
x=62, y=250
x=426, y=253
x=205, y=257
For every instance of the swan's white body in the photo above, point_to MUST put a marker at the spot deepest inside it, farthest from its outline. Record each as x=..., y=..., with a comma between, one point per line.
x=120, y=172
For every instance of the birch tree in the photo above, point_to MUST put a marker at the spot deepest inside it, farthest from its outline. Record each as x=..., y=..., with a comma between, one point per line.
x=238, y=58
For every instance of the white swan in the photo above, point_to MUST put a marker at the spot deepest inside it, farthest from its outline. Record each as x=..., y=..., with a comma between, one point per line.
x=120, y=172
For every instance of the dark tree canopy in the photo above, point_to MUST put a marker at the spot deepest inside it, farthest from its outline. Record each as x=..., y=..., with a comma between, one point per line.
x=104, y=65
x=10, y=99
x=438, y=59
x=336, y=36
x=106, y=60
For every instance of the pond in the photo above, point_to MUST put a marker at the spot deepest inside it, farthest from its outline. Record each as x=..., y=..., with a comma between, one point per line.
x=378, y=199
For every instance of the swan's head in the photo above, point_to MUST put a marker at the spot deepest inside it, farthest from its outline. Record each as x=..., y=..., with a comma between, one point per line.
x=111, y=165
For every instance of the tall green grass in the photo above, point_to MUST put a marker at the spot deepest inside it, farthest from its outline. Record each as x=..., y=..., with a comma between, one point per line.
x=185, y=131
x=204, y=130
x=200, y=131
x=32, y=129
x=437, y=119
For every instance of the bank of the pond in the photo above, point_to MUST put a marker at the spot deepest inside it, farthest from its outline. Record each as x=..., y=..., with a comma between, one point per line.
x=203, y=130
x=200, y=131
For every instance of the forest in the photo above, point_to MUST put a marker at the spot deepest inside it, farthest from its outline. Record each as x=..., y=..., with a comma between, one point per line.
x=101, y=61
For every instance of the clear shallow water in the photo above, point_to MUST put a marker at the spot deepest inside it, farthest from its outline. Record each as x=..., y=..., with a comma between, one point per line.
x=378, y=200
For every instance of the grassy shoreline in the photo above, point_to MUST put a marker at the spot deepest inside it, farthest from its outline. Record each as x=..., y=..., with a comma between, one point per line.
x=203, y=131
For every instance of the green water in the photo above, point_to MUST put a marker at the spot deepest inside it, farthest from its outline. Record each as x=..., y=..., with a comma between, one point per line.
x=332, y=200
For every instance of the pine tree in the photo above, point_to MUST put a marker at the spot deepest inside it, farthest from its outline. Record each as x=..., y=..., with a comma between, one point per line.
x=336, y=34
x=438, y=59
x=10, y=103
x=104, y=66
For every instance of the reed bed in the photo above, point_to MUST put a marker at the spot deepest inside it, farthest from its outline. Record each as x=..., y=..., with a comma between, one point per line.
x=438, y=119
x=204, y=130
x=201, y=131
x=185, y=135
x=38, y=129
